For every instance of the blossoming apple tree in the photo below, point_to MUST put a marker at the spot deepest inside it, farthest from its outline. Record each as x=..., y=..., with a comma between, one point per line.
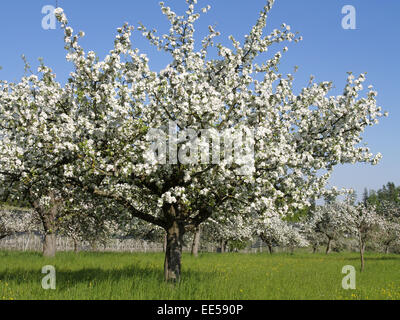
x=390, y=228
x=34, y=146
x=390, y=234
x=315, y=239
x=224, y=229
x=118, y=100
x=272, y=231
x=112, y=104
x=364, y=223
x=330, y=221
x=276, y=232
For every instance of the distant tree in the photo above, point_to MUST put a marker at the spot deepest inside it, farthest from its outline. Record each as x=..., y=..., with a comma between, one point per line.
x=314, y=238
x=294, y=237
x=14, y=221
x=273, y=231
x=276, y=232
x=390, y=232
x=330, y=221
x=226, y=229
x=363, y=222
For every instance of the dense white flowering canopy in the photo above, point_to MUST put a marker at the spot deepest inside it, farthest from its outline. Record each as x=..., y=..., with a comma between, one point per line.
x=228, y=228
x=330, y=220
x=276, y=232
x=363, y=221
x=92, y=132
x=391, y=225
x=35, y=136
x=36, y=143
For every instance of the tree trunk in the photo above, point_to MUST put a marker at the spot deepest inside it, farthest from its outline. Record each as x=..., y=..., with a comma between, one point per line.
x=362, y=248
x=76, y=247
x=270, y=249
x=222, y=244
x=48, y=218
x=328, y=247
x=314, y=249
x=165, y=243
x=387, y=249
x=93, y=245
x=173, y=254
x=196, y=242
x=49, y=245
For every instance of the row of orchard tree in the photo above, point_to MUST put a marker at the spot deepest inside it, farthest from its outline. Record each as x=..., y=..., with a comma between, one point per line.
x=335, y=223
x=78, y=152
x=324, y=225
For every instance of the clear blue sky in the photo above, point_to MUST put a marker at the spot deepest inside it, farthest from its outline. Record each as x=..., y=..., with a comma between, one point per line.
x=327, y=51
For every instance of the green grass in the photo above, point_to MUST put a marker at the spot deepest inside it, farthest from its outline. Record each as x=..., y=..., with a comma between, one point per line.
x=211, y=276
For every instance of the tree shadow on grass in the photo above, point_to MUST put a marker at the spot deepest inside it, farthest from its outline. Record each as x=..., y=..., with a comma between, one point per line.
x=67, y=278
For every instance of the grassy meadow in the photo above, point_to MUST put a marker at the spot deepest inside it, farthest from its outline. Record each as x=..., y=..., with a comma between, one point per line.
x=210, y=276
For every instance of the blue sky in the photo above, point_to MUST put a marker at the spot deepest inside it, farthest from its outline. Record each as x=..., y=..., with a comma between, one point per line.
x=327, y=51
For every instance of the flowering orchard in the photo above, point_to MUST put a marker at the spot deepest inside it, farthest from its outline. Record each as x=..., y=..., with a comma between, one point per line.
x=87, y=142
x=277, y=233
x=12, y=222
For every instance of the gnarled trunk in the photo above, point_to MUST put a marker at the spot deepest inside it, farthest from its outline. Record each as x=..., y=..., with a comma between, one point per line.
x=196, y=242
x=76, y=246
x=49, y=245
x=173, y=253
x=328, y=247
x=223, y=245
x=271, y=251
x=48, y=217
